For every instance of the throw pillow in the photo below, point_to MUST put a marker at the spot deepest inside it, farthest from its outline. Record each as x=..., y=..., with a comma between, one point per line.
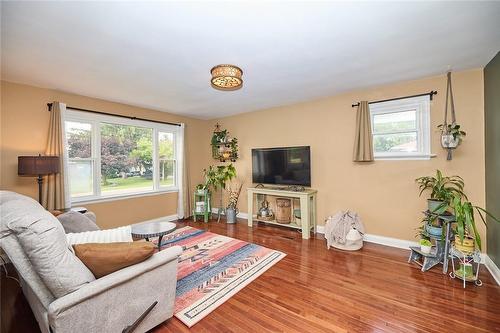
x=121, y=234
x=103, y=259
x=76, y=222
x=56, y=213
x=43, y=241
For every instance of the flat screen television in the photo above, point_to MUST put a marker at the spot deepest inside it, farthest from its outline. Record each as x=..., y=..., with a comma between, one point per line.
x=283, y=166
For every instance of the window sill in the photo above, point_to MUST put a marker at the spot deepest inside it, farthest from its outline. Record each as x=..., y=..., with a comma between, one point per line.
x=92, y=200
x=404, y=157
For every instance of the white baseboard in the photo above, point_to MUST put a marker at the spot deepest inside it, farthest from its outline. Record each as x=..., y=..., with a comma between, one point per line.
x=240, y=215
x=168, y=218
x=494, y=270
x=382, y=240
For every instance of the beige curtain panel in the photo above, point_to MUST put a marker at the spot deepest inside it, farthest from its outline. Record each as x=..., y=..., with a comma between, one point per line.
x=363, y=141
x=183, y=201
x=55, y=193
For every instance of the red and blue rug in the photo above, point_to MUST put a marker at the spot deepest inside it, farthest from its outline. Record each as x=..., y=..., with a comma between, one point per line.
x=212, y=268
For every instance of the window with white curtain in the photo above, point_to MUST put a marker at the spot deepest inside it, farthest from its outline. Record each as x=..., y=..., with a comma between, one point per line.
x=401, y=128
x=114, y=157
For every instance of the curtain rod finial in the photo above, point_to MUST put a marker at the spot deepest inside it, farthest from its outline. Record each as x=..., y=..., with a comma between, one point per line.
x=49, y=106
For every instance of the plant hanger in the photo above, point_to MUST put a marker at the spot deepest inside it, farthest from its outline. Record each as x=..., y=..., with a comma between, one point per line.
x=451, y=135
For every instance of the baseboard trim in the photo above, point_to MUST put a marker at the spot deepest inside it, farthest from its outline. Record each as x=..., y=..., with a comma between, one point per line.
x=382, y=240
x=168, y=218
x=239, y=215
x=492, y=268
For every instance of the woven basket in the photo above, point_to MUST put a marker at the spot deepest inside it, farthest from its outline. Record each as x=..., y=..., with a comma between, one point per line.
x=283, y=210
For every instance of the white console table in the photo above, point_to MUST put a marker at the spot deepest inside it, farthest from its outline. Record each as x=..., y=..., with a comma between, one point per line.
x=307, y=200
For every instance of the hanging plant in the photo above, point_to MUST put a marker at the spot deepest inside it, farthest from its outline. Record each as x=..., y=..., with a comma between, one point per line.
x=451, y=134
x=234, y=149
x=223, y=147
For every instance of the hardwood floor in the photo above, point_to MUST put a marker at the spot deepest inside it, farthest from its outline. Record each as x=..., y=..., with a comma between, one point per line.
x=318, y=290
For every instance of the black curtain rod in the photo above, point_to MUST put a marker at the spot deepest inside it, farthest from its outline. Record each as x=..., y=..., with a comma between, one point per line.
x=430, y=94
x=49, y=105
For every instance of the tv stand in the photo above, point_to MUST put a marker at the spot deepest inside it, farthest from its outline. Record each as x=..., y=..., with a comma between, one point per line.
x=307, y=200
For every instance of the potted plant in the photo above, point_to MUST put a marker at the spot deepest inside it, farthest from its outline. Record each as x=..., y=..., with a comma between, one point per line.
x=231, y=209
x=216, y=178
x=442, y=190
x=451, y=135
x=233, y=144
x=433, y=226
x=467, y=238
x=425, y=246
x=201, y=188
x=219, y=137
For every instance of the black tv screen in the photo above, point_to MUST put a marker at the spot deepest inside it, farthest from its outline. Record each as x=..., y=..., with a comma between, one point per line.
x=284, y=166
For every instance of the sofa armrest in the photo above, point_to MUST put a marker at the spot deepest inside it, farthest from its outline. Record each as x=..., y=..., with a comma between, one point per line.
x=114, y=301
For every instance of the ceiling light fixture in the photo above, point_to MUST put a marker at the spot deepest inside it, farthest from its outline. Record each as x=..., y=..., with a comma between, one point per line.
x=226, y=77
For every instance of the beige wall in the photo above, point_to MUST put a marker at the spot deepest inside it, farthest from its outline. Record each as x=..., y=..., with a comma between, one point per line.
x=24, y=128
x=383, y=192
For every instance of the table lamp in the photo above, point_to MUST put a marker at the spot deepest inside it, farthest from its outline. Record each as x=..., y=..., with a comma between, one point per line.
x=37, y=166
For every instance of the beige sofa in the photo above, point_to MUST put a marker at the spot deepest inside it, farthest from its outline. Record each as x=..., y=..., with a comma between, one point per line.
x=63, y=295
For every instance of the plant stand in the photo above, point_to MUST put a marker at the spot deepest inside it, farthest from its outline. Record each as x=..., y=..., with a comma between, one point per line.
x=428, y=260
x=440, y=254
x=201, y=198
x=472, y=260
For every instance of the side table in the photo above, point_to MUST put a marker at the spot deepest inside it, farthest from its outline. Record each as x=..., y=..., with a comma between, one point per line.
x=152, y=229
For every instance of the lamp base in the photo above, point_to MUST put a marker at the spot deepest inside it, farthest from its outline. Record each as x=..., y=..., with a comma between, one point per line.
x=40, y=182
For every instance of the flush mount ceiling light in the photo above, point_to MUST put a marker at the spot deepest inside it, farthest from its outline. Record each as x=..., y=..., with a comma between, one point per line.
x=226, y=77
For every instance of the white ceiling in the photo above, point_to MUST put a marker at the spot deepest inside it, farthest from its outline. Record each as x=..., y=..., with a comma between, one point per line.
x=159, y=54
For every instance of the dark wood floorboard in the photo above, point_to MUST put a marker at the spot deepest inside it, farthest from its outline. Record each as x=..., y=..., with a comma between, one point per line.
x=318, y=290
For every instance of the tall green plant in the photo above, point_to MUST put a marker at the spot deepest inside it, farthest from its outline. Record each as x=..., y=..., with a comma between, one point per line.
x=441, y=187
x=464, y=215
x=216, y=177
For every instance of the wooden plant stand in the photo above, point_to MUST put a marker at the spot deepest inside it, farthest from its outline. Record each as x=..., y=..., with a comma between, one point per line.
x=205, y=198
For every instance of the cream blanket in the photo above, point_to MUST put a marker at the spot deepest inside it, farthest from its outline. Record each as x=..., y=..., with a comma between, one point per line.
x=337, y=227
x=121, y=234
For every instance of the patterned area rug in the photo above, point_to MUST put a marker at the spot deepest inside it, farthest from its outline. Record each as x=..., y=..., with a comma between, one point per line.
x=212, y=268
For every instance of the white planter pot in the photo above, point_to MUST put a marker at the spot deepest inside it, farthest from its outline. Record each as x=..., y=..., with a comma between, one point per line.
x=447, y=141
x=425, y=248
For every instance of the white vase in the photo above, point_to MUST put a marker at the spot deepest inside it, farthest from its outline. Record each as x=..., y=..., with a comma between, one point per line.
x=447, y=141
x=425, y=248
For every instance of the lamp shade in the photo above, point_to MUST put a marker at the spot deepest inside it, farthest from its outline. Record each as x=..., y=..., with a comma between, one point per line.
x=37, y=165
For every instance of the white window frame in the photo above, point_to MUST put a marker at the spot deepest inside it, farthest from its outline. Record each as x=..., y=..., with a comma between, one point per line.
x=95, y=120
x=421, y=105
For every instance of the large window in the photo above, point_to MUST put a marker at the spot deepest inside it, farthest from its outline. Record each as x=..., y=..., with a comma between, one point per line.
x=401, y=128
x=112, y=156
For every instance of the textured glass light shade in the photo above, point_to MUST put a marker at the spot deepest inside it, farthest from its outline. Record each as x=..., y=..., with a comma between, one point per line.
x=226, y=77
